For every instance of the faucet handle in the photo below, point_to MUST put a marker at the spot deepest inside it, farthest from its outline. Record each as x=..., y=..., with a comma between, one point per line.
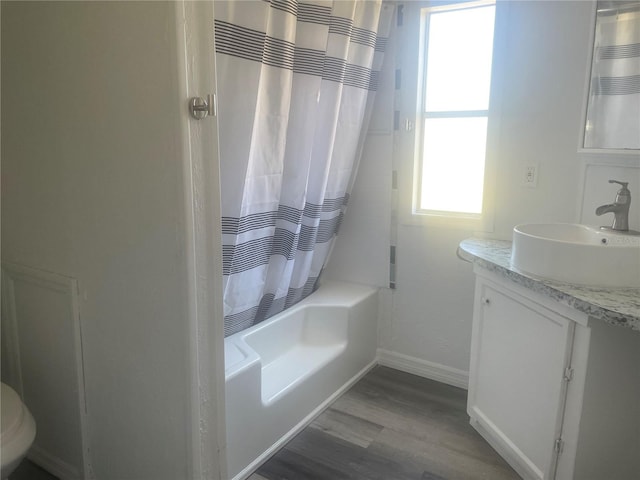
x=624, y=184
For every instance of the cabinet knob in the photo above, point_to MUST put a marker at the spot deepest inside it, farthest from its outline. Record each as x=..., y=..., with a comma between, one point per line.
x=486, y=300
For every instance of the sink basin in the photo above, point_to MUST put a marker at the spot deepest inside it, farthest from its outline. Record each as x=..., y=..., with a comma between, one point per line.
x=579, y=254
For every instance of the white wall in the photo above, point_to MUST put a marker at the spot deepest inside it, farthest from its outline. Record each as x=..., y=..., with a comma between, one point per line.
x=598, y=191
x=544, y=61
x=92, y=188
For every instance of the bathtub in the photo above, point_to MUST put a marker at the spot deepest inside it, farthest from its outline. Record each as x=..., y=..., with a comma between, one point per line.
x=283, y=372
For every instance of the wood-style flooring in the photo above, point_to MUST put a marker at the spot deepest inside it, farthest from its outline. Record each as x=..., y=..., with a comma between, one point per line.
x=390, y=426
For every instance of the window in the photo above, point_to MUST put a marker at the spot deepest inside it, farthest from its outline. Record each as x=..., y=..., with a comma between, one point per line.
x=454, y=108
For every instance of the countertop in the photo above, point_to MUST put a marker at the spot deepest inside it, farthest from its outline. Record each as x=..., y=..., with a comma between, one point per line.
x=617, y=306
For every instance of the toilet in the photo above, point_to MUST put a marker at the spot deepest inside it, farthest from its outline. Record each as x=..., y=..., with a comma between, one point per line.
x=17, y=433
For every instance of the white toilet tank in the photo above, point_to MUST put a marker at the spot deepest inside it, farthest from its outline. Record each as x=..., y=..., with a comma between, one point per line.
x=17, y=432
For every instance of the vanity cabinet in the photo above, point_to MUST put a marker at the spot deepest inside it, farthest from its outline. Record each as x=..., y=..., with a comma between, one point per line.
x=555, y=392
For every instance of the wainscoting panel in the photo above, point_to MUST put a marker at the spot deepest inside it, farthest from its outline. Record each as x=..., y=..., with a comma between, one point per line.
x=42, y=334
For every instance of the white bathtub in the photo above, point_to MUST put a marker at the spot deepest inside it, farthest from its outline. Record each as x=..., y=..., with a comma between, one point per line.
x=284, y=371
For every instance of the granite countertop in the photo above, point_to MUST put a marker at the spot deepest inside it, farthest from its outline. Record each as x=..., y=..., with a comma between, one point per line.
x=617, y=306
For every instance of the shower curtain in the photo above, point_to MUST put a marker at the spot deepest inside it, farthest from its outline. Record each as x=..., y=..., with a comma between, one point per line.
x=613, y=114
x=296, y=83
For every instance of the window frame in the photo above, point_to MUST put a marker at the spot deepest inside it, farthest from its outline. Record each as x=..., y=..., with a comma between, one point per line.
x=412, y=63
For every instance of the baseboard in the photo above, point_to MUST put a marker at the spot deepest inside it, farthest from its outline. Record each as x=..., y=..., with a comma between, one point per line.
x=273, y=449
x=424, y=368
x=53, y=464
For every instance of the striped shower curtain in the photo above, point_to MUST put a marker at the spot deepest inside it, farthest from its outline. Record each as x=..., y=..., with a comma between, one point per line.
x=296, y=82
x=613, y=114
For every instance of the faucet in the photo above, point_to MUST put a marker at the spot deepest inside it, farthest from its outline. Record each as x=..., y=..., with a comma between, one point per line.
x=620, y=208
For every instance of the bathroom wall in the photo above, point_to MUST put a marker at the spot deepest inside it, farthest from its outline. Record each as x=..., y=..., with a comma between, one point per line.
x=93, y=189
x=426, y=324
x=598, y=191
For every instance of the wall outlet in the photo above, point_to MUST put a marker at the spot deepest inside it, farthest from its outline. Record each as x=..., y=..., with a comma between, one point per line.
x=530, y=176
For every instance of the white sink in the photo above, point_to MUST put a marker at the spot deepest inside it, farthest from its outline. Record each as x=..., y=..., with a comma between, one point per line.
x=578, y=254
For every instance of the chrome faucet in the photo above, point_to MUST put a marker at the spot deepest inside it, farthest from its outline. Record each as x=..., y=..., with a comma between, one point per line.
x=620, y=208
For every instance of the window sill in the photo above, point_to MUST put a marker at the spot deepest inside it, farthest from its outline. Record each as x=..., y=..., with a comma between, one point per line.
x=477, y=223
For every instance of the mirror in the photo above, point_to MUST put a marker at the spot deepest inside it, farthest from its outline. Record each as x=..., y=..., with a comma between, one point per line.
x=613, y=104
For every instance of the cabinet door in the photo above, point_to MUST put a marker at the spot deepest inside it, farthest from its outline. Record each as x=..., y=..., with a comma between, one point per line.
x=516, y=388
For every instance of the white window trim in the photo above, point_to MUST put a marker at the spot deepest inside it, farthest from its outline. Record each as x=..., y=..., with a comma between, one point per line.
x=408, y=102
